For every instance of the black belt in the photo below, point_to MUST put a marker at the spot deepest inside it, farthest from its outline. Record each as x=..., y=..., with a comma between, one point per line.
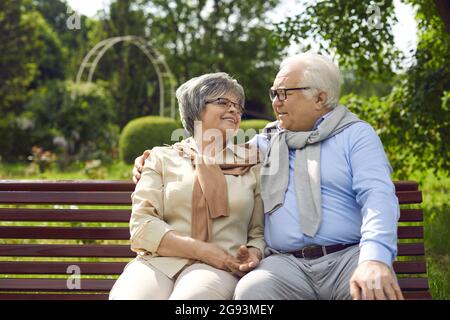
x=314, y=252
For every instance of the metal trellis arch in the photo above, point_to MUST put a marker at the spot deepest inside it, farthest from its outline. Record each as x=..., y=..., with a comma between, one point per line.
x=166, y=79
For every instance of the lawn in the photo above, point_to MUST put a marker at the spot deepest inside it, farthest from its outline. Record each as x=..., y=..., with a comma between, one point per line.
x=436, y=207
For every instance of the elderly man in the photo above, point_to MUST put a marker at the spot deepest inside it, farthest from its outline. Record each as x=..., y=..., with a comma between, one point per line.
x=330, y=206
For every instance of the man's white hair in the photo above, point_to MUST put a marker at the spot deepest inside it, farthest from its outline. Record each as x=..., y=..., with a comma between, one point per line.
x=320, y=73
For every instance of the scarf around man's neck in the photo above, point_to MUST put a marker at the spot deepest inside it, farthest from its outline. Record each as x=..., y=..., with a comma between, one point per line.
x=210, y=192
x=275, y=170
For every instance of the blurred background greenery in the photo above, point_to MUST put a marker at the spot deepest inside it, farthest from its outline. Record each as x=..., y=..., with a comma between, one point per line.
x=54, y=128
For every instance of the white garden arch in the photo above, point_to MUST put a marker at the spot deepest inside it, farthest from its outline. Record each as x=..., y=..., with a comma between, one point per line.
x=166, y=80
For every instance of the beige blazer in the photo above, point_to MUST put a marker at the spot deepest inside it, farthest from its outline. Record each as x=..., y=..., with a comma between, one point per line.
x=162, y=201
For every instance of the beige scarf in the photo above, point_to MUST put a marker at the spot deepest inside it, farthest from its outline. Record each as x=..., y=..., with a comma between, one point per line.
x=210, y=193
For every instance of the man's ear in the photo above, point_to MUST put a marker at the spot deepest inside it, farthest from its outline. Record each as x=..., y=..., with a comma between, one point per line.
x=321, y=98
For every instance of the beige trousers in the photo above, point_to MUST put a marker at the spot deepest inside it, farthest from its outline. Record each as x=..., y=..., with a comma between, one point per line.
x=141, y=281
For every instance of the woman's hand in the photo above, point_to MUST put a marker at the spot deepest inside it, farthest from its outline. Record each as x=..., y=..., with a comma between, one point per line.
x=216, y=257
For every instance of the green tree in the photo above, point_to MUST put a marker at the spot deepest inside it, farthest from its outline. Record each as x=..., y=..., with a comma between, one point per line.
x=231, y=36
x=413, y=119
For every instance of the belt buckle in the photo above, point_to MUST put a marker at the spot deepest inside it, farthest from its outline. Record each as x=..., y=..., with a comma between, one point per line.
x=303, y=251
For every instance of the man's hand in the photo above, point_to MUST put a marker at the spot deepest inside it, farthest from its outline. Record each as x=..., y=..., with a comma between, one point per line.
x=373, y=280
x=248, y=260
x=139, y=165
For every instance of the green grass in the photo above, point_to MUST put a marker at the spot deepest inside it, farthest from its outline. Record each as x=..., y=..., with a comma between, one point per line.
x=436, y=207
x=115, y=171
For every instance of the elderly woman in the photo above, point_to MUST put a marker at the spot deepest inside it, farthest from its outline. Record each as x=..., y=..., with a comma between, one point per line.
x=197, y=217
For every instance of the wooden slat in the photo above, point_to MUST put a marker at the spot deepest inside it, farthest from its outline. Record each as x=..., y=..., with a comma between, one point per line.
x=411, y=249
x=123, y=251
x=65, y=250
x=74, y=215
x=12, y=232
x=406, y=185
x=26, y=284
x=411, y=215
x=41, y=296
x=408, y=295
x=66, y=185
x=408, y=267
x=413, y=284
x=415, y=295
x=102, y=233
x=28, y=267
x=65, y=197
x=409, y=197
x=410, y=232
x=113, y=185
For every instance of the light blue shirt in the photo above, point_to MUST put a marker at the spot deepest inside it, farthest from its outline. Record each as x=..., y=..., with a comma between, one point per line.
x=359, y=204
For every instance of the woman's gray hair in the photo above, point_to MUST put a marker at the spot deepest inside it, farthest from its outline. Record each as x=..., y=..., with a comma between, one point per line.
x=193, y=94
x=320, y=73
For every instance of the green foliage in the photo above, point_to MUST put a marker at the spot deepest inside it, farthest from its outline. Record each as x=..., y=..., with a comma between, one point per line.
x=18, y=50
x=348, y=30
x=419, y=104
x=76, y=121
x=145, y=133
x=230, y=36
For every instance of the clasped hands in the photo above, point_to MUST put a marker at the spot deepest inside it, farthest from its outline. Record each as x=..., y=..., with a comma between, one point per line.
x=246, y=259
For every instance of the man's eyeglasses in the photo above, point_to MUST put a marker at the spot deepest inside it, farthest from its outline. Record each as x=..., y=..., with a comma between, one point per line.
x=226, y=103
x=281, y=93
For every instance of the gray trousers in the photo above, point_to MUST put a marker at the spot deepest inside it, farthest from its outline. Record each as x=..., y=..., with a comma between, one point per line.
x=282, y=276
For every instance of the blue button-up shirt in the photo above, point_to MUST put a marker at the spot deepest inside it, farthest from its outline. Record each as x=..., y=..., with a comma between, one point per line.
x=358, y=197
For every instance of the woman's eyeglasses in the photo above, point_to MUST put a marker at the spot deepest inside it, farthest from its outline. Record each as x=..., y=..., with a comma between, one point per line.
x=226, y=103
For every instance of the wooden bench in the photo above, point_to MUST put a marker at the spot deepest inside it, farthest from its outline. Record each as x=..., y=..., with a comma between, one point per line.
x=27, y=270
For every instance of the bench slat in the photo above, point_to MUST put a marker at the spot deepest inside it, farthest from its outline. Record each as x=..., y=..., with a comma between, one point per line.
x=44, y=296
x=61, y=197
x=411, y=284
x=411, y=215
x=66, y=250
x=409, y=295
x=415, y=295
x=118, y=215
x=102, y=233
x=113, y=185
x=68, y=185
x=410, y=267
x=106, y=233
x=406, y=185
x=28, y=267
x=123, y=251
x=409, y=197
x=75, y=215
x=410, y=232
x=25, y=284
x=411, y=249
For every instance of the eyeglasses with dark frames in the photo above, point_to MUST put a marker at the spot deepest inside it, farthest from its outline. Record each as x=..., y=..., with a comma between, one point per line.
x=226, y=103
x=281, y=94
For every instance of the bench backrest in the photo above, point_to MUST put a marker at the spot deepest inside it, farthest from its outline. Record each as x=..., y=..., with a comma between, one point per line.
x=95, y=216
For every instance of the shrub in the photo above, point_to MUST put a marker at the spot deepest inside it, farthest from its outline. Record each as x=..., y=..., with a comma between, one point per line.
x=74, y=121
x=145, y=133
